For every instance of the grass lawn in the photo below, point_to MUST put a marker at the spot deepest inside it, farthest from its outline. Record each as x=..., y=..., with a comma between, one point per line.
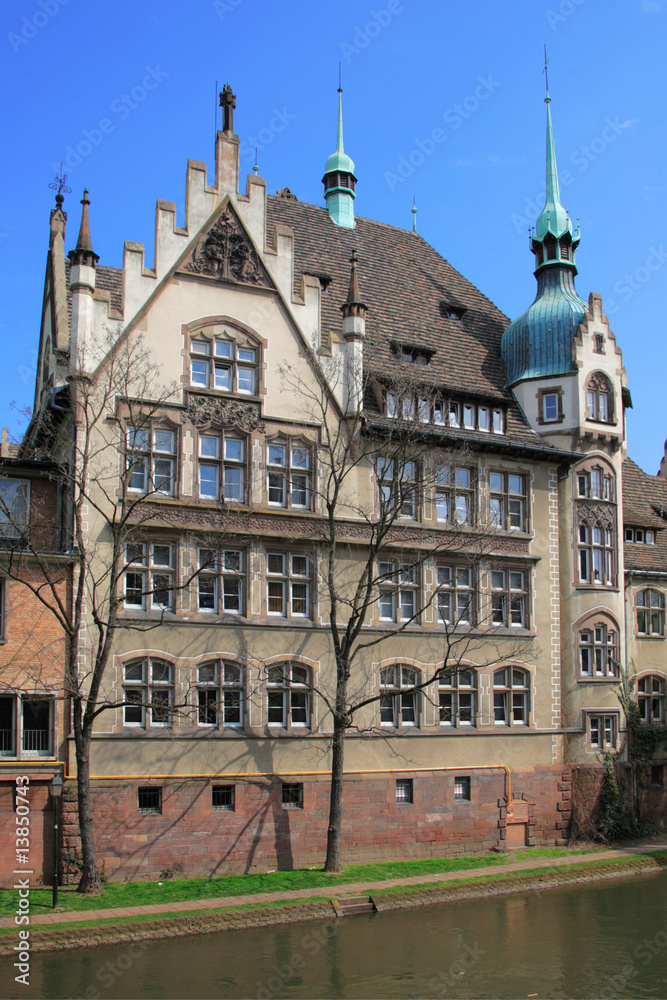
x=179, y=890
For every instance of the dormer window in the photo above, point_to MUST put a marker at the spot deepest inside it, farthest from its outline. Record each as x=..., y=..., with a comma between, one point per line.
x=415, y=356
x=450, y=311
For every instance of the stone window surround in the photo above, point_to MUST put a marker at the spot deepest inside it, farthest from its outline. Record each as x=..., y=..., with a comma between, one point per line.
x=556, y=390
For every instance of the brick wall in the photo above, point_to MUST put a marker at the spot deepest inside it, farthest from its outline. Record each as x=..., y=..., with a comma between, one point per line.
x=261, y=834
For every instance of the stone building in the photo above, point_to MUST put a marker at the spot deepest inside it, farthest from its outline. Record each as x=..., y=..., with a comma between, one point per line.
x=526, y=552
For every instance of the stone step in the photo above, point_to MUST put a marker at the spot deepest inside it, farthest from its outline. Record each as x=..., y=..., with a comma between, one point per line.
x=346, y=906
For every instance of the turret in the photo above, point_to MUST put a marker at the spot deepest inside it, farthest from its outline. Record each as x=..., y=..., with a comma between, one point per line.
x=354, y=330
x=339, y=179
x=539, y=343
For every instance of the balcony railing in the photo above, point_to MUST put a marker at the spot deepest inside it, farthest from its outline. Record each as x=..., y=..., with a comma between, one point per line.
x=37, y=741
x=8, y=742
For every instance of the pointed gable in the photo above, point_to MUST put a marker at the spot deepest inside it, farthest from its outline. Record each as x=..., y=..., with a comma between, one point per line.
x=226, y=252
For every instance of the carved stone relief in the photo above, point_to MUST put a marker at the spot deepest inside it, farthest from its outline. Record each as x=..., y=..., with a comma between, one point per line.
x=226, y=252
x=204, y=410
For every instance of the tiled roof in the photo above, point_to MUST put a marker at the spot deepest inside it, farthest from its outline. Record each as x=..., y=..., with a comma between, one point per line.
x=406, y=285
x=643, y=498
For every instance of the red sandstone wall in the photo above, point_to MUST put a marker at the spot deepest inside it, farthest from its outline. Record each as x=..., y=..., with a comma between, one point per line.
x=260, y=834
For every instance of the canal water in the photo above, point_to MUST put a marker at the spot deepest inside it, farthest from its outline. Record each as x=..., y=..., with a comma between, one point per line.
x=605, y=940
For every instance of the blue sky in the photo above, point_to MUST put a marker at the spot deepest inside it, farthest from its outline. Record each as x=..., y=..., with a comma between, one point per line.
x=443, y=100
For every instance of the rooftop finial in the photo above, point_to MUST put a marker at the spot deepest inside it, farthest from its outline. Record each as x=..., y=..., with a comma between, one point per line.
x=60, y=186
x=414, y=211
x=227, y=103
x=255, y=169
x=546, y=75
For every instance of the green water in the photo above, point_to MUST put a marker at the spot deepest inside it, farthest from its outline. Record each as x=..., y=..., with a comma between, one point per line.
x=607, y=940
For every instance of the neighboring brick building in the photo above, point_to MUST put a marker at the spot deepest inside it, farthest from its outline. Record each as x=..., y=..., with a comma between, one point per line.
x=33, y=726
x=508, y=542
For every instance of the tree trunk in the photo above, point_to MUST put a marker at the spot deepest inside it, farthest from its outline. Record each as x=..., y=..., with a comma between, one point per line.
x=90, y=876
x=332, y=863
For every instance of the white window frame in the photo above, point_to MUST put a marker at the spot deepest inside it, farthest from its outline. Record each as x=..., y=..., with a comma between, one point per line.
x=143, y=561
x=221, y=576
x=289, y=695
x=289, y=581
x=225, y=680
x=400, y=704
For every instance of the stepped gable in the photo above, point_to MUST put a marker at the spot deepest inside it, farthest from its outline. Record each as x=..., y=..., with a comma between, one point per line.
x=643, y=496
x=407, y=287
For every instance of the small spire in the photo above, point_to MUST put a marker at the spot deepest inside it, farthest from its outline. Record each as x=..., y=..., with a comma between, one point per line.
x=83, y=242
x=255, y=169
x=353, y=306
x=414, y=211
x=83, y=253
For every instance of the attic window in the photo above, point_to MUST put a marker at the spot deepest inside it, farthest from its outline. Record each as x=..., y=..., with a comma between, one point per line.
x=287, y=194
x=323, y=278
x=415, y=355
x=450, y=311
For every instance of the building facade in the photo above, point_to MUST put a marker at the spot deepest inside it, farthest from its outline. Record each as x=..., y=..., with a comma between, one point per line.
x=522, y=563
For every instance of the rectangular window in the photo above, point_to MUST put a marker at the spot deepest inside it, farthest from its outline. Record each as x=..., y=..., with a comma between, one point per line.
x=454, y=494
x=462, y=788
x=603, y=731
x=222, y=468
x=508, y=500
x=14, y=506
x=220, y=582
x=289, y=475
x=222, y=797
x=657, y=774
x=288, y=583
x=151, y=459
x=397, y=591
x=150, y=799
x=509, y=598
x=404, y=790
x=149, y=576
x=550, y=407
x=292, y=795
x=37, y=728
x=456, y=599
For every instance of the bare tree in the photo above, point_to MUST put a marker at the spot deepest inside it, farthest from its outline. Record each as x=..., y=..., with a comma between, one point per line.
x=374, y=474
x=110, y=467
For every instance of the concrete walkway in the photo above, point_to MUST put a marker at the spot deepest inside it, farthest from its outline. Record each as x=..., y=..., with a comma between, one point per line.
x=345, y=889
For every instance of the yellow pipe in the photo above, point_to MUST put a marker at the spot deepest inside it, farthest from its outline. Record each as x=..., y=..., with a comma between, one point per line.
x=267, y=774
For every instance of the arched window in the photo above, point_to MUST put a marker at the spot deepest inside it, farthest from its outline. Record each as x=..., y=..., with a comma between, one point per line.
x=650, y=613
x=289, y=695
x=457, y=697
x=399, y=706
x=148, y=690
x=598, y=649
x=511, y=697
x=599, y=399
x=220, y=694
x=651, y=698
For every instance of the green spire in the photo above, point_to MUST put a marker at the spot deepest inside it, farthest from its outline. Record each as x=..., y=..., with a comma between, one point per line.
x=339, y=179
x=553, y=218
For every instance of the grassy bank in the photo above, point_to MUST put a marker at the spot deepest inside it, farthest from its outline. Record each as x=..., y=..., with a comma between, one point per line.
x=149, y=927
x=123, y=894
